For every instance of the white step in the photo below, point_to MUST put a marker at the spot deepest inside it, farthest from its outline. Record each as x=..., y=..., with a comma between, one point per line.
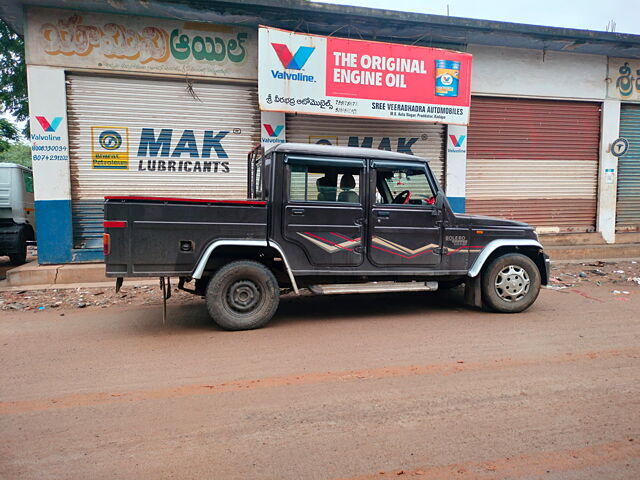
x=373, y=287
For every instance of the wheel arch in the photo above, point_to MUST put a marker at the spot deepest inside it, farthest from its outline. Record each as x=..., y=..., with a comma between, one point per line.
x=497, y=248
x=242, y=249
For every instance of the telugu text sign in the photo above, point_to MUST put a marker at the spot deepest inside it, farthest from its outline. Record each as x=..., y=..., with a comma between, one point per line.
x=115, y=42
x=625, y=79
x=336, y=76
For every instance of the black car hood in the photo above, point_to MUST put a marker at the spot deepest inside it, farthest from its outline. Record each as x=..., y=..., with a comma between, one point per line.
x=478, y=221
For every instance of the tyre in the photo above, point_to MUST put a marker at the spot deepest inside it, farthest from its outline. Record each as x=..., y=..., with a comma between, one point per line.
x=20, y=257
x=242, y=295
x=510, y=283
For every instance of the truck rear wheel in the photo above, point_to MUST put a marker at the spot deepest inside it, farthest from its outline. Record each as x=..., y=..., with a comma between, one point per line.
x=510, y=283
x=242, y=295
x=20, y=257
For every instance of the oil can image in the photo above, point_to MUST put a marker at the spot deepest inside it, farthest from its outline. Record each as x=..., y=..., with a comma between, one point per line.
x=447, y=72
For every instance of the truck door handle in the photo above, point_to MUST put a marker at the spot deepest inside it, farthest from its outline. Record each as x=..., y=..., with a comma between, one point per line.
x=297, y=211
x=382, y=213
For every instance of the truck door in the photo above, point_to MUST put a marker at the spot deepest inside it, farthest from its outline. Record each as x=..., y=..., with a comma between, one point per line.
x=323, y=213
x=404, y=225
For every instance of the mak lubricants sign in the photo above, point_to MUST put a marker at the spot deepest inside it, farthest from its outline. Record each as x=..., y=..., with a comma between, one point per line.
x=160, y=150
x=300, y=73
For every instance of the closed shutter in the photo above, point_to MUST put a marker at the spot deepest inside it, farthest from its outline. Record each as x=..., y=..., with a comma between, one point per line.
x=535, y=161
x=424, y=140
x=182, y=151
x=628, y=206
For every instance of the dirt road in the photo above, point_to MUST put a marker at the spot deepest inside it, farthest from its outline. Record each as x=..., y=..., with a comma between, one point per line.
x=386, y=386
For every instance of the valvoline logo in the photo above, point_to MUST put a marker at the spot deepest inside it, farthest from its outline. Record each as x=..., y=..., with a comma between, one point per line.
x=289, y=61
x=457, y=141
x=49, y=126
x=292, y=62
x=273, y=132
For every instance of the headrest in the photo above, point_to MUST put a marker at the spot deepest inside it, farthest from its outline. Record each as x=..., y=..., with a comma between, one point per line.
x=347, y=181
x=324, y=182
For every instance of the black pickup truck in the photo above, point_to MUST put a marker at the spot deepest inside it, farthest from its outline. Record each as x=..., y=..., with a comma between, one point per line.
x=329, y=219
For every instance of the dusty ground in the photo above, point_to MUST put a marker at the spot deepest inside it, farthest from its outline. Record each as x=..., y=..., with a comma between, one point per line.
x=384, y=386
x=616, y=278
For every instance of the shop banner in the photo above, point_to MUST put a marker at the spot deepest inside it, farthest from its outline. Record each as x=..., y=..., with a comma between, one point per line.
x=301, y=73
x=66, y=38
x=625, y=79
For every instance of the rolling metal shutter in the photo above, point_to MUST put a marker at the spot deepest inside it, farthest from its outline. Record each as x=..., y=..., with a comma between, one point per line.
x=426, y=140
x=628, y=205
x=189, y=113
x=535, y=161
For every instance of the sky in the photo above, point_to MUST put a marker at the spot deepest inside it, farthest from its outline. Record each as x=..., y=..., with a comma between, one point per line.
x=585, y=14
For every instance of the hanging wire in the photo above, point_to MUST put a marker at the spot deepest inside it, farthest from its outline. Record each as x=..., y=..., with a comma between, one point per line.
x=337, y=30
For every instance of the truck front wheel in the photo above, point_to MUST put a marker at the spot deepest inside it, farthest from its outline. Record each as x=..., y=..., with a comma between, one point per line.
x=242, y=295
x=510, y=283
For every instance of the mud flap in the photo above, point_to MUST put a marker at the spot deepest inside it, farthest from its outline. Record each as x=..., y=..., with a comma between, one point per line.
x=472, y=291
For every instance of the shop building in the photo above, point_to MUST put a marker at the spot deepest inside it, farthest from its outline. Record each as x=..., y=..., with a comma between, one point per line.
x=160, y=98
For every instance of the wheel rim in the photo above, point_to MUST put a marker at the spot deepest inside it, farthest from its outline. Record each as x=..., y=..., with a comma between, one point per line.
x=512, y=283
x=243, y=296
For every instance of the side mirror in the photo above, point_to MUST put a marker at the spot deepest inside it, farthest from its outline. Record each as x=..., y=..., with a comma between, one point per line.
x=440, y=200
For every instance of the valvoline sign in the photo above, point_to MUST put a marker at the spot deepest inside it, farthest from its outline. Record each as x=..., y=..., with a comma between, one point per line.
x=302, y=73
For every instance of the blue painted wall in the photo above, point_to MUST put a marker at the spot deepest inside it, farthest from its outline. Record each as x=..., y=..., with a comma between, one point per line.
x=458, y=204
x=54, y=232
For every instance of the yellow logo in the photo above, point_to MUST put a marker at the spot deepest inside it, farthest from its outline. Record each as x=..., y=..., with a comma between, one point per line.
x=110, y=148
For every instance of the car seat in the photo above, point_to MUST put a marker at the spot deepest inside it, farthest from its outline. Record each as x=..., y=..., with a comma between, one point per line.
x=347, y=184
x=326, y=191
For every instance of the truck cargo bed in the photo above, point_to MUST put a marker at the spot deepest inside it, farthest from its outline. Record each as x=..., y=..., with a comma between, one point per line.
x=167, y=236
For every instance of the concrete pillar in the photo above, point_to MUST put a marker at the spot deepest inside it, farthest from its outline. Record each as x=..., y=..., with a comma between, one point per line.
x=608, y=171
x=50, y=161
x=456, y=167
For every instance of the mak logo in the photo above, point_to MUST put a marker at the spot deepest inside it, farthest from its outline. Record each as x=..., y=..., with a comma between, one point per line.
x=289, y=61
x=271, y=131
x=457, y=141
x=49, y=126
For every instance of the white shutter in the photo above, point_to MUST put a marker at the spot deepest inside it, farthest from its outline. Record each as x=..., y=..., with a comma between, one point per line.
x=127, y=105
x=424, y=140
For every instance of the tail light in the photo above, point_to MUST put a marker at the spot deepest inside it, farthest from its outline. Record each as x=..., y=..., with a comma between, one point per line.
x=106, y=243
x=106, y=238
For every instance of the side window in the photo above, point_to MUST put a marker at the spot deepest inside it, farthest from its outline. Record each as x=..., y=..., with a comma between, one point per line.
x=319, y=183
x=403, y=186
x=28, y=181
